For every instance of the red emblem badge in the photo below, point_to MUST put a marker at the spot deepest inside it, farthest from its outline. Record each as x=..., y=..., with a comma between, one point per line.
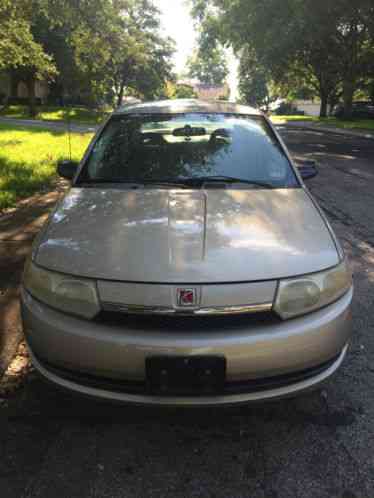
x=186, y=297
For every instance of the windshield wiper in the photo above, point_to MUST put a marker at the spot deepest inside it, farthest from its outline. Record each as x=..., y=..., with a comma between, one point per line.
x=134, y=183
x=93, y=181
x=166, y=183
x=199, y=180
x=183, y=183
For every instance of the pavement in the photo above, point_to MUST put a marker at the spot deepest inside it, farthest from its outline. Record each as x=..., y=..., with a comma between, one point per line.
x=18, y=228
x=317, y=446
x=52, y=125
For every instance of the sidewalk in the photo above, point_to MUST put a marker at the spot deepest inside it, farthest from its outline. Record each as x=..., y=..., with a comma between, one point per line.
x=310, y=126
x=18, y=227
x=51, y=125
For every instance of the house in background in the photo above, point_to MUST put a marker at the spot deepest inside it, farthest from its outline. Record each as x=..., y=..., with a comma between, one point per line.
x=15, y=89
x=207, y=92
x=308, y=107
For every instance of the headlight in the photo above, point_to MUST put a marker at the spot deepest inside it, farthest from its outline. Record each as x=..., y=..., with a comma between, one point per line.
x=301, y=295
x=73, y=295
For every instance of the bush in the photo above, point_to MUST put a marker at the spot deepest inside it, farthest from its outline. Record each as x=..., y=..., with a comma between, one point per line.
x=60, y=101
x=184, y=92
x=55, y=100
x=23, y=101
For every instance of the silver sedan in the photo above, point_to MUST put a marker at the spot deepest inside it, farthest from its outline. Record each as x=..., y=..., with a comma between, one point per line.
x=187, y=265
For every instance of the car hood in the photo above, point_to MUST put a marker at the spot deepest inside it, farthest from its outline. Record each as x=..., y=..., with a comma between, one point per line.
x=186, y=236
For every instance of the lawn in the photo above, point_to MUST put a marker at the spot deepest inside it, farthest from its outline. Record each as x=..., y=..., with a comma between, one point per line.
x=28, y=159
x=282, y=119
x=50, y=113
x=357, y=124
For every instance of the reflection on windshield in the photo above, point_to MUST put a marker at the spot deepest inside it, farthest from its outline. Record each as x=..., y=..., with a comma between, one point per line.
x=176, y=148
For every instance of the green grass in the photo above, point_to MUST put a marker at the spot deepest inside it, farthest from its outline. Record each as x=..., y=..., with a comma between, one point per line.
x=357, y=124
x=80, y=115
x=284, y=119
x=28, y=159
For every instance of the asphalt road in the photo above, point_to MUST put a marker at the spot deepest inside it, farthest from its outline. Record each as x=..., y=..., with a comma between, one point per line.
x=320, y=446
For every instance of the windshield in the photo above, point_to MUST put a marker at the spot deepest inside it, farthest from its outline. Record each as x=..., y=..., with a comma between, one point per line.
x=178, y=149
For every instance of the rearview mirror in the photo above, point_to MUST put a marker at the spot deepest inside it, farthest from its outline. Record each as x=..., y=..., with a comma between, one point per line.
x=67, y=169
x=189, y=131
x=307, y=169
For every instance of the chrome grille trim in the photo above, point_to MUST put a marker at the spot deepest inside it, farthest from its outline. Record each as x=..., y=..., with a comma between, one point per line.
x=231, y=310
x=155, y=310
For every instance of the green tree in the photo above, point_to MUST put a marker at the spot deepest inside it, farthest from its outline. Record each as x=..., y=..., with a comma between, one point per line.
x=98, y=46
x=208, y=64
x=254, y=81
x=20, y=52
x=355, y=37
x=179, y=91
x=124, y=49
x=18, y=47
x=327, y=43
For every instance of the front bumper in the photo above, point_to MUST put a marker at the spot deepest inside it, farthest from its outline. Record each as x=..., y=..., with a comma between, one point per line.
x=302, y=353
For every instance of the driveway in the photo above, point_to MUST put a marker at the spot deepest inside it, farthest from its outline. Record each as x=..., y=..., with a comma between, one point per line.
x=319, y=446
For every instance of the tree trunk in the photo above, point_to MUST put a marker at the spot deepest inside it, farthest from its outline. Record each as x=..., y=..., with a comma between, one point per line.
x=333, y=102
x=372, y=92
x=32, y=102
x=348, y=92
x=14, y=80
x=120, y=94
x=324, y=102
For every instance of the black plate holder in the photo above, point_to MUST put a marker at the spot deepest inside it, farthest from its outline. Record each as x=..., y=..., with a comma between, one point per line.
x=185, y=375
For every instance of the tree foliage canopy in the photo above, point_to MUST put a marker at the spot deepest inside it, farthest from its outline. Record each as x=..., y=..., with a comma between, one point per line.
x=18, y=47
x=103, y=47
x=253, y=81
x=325, y=43
x=208, y=63
x=180, y=91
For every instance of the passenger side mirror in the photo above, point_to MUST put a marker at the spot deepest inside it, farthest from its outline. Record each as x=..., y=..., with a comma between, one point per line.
x=307, y=169
x=67, y=169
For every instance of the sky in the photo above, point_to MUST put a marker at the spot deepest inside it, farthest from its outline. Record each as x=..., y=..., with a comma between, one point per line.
x=178, y=24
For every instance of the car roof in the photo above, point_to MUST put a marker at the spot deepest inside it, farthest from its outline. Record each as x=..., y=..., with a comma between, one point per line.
x=182, y=106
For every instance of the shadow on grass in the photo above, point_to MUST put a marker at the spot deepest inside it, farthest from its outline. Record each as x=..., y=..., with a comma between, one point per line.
x=6, y=143
x=79, y=115
x=21, y=180
x=28, y=158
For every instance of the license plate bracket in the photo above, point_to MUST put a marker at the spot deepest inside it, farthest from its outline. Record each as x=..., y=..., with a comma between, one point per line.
x=185, y=375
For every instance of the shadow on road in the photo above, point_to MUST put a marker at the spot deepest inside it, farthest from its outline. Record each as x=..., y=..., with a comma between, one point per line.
x=314, y=446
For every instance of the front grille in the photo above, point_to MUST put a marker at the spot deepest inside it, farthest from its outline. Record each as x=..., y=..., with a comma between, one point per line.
x=186, y=323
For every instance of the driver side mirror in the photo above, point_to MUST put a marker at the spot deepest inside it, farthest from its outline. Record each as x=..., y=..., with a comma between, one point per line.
x=307, y=168
x=67, y=169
